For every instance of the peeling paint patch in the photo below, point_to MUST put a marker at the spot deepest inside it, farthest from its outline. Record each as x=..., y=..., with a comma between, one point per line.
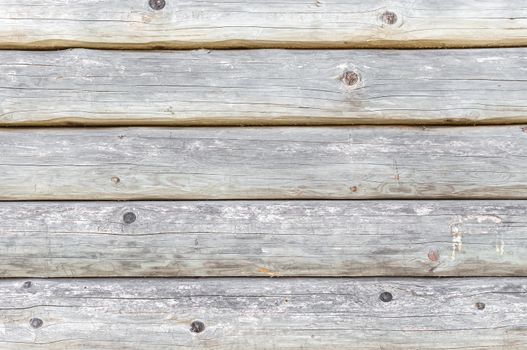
x=457, y=239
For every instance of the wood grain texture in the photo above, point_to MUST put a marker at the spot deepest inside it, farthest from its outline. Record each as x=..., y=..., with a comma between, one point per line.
x=263, y=87
x=263, y=238
x=51, y=24
x=264, y=314
x=263, y=163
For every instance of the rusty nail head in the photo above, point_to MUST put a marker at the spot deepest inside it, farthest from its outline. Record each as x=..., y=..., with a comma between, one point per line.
x=433, y=255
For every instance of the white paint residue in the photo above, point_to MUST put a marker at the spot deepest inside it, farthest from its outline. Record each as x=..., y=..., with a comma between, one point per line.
x=457, y=240
x=500, y=248
x=487, y=59
x=462, y=225
x=421, y=211
x=484, y=218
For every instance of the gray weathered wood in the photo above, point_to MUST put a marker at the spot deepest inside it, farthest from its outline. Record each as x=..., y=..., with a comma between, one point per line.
x=263, y=87
x=264, y=314
x=263, y=163
x=268, y=238
x=258, y=23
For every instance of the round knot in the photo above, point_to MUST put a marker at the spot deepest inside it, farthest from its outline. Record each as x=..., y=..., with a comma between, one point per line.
x=480, y=306
x=389, y=17
x=350, y=78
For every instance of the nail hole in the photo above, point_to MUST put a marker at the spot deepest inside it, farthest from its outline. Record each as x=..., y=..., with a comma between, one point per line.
x=480, y=306
x=27, y=284
x=197, y=327
x=157, y=4
x=36, y=322
x=386, y=297
x=115, y=180
x=129, y=217
x=354, y=189
x=389, y=17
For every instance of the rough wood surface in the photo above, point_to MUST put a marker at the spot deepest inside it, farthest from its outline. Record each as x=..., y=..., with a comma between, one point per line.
x=485, y=313
x=268, y=238
x=263, y=87
x=263, y=163
x=258, y=23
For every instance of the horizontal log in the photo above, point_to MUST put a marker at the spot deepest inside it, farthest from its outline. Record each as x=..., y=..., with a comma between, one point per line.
x=263, y=238
x=484, y=313
x=263, y=163
x=53, y=24
x=263, y=87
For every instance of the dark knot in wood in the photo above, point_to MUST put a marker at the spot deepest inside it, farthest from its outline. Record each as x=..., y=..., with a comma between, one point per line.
x=389, y=17
x=386, y=297
x=157, y=4
x=36, y=323
x=197, y=327
x=129, y=217
x=350, y=78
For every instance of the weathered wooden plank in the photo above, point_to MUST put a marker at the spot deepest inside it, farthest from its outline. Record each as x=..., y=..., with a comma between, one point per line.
x=263, y=163
x=255, y=87
x=484, y=313
x=257, y=23
x=263, y=238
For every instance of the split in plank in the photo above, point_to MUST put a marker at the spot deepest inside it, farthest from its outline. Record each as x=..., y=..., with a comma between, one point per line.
x=261, y=313
x=52, y=24
x=263, y=87
x=263, y=163
x=263, y=238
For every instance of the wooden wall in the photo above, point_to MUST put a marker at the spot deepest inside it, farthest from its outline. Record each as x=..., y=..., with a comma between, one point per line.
x=263, y=175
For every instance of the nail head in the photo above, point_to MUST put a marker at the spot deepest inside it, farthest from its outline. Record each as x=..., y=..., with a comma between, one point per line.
x=27, y=284
x=129, y=217
x=197, y=327
x=36, y=322
x=480, y=306
x=386, y=297
x=157, y=4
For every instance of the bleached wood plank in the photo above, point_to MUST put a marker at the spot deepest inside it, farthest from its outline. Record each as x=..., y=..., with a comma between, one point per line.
x=263, y=163
x=257, y=23
x=255, y=87
x=263, y=238
x=484, y=313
